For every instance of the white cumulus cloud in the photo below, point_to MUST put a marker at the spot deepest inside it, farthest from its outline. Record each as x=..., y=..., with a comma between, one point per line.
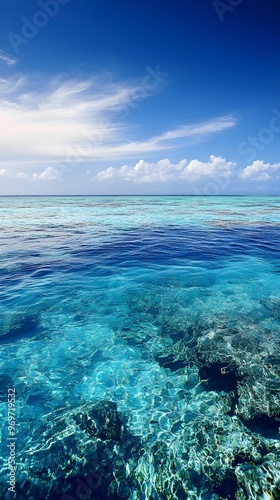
x=49, y=174
x=165, y=171
x=260, y=171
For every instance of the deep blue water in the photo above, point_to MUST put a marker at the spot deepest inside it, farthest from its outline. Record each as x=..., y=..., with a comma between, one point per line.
x=168, y=307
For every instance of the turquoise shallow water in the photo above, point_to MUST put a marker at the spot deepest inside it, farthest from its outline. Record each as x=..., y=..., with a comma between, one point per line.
x=141, y=335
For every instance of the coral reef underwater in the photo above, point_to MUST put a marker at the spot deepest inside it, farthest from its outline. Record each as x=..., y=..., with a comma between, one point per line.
x=211, y=430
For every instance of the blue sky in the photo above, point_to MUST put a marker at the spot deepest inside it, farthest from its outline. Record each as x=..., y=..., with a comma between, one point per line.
x=121, y=97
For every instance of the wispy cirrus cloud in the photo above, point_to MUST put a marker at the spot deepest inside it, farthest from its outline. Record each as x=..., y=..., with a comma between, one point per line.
x=43, y=121
x=201, y=129
x=7, y=59
x=168, y=140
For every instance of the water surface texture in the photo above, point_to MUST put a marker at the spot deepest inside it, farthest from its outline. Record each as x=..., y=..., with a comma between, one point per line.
x=142, y=338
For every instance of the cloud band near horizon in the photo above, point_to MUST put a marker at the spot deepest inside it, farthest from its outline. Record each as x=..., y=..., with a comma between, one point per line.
x=52, y=122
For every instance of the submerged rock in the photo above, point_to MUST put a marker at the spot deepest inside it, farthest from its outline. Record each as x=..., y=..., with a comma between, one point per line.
x=259, y=481
x=206, y=459
x=249, y=355
x=83, y=451
x=20, y=326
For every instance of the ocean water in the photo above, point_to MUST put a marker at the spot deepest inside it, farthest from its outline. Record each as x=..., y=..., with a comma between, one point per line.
x=141, y=339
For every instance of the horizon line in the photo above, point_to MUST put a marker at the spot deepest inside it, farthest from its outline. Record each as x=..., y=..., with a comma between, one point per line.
x=133, y=195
